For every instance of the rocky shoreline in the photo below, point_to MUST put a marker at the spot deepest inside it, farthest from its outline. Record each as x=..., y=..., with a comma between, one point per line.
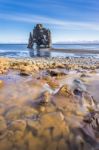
x=49, y=104
x=37, y=64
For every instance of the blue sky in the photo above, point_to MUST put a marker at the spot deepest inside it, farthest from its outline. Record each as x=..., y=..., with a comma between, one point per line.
x=69, y=20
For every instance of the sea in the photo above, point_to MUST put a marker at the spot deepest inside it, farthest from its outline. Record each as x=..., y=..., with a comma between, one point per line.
x=21, y=51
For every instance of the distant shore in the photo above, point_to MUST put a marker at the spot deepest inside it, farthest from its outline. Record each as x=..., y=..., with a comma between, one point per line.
x=79, y=51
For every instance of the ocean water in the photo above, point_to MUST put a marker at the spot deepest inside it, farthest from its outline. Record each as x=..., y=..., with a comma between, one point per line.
x=21, y=51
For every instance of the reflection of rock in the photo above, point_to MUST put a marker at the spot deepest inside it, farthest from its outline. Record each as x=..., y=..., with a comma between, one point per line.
x=41, y=37
x=31, y=53
x=39, y=53
x=30, y=41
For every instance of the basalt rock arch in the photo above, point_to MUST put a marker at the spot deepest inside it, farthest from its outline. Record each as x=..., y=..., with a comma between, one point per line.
x=40, y=36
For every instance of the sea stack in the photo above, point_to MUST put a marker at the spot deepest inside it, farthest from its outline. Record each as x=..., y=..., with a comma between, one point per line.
x=40, y=36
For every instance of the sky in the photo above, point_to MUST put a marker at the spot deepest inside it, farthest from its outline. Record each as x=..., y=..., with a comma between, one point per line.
x=68, y=20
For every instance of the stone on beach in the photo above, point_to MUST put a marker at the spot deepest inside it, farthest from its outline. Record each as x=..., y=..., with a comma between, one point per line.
x=57, y=72
x=27, y=70
x=65, y=91
x=1, y=83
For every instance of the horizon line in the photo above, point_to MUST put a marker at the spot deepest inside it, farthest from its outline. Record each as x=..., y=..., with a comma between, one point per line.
x=58, y=42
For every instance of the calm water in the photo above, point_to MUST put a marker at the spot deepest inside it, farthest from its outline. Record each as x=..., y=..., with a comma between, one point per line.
x=21, y=50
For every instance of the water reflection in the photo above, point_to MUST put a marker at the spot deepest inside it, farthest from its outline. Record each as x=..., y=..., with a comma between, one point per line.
x=49, y=53
x=39, y=52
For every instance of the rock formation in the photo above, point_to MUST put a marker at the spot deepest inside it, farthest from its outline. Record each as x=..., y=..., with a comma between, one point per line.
x=41, y=37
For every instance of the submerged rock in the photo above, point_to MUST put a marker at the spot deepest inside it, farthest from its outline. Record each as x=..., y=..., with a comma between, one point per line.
x=90, y=129
x=57, y=72
x=13, y=113
x=55, y=123
x=3, y=127
x=28, y=112
x=24, y=73
x=84, y=75
x=44, y=98
x=79, y=85
x=85, y=99
x=18, y=125
x=2, y=108
x=52, y=83
x=65, y=91
x=88, y=102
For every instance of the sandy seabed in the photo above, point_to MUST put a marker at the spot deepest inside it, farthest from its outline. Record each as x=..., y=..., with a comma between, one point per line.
x=49, y=104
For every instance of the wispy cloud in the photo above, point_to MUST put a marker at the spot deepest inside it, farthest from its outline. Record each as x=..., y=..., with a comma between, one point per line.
x=27, y=18
x=72, y=9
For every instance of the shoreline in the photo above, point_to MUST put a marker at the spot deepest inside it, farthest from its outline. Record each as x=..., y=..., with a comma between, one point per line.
x=37, y=64
x=50, y=63
x=75, y=51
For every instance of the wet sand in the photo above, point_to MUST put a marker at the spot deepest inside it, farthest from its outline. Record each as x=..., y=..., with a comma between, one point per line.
x=49, y=104
x=75, y=51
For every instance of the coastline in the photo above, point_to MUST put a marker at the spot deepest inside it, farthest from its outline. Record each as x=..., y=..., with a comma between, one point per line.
x=75, y=51
x=42, y=63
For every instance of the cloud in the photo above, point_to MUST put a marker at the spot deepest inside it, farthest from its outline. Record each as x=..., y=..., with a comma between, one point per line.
x=61, y=24
x=87, y=10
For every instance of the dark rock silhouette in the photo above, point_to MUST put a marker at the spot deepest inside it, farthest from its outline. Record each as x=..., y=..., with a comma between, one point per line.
x=41, y=37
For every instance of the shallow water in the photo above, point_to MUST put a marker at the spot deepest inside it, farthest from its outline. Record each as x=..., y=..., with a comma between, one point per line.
x=18, y=87
x=25, y=125
x=21, y=51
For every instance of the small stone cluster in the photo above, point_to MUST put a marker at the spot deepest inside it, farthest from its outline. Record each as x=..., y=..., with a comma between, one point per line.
x=29, y=66
x=41, y=37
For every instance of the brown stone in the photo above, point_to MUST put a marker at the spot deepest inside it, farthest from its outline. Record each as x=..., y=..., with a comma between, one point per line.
x=65, y=91
x=1, y=83
x=13, y=113
x=62, y=145
x=52, y=146
x=18, y=125
x=57, y=72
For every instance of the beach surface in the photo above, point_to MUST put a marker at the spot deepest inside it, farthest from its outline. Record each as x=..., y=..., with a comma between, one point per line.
x=75, y=51
x=49, y=104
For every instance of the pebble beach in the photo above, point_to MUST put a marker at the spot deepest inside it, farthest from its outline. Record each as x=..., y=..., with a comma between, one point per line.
x=49, y=104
